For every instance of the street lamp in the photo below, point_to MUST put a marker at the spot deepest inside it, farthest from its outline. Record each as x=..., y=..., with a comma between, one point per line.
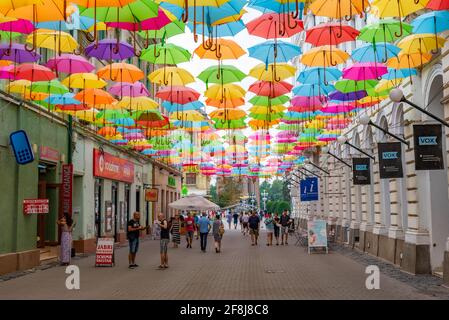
x=396, y=95
x=264, y=199
x=326, y=151
x=344, y=140
x=366, y=120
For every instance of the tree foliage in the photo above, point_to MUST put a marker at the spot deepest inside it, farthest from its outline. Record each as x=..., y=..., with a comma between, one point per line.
x=278, y=198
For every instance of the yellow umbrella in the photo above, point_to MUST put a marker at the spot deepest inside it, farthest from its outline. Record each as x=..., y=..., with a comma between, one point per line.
x=338, y=8
x=368, y=99
x=84, y=81
x=409, y=60
x=385, y=84
x=324, y=56
x=54, y=40
x=266, y=109
x=226, y=91
x=137, y=104
x=85, y=115
x=262, y=124
x=197, y=3
x=101, y=26
x=18, y=86
x=40, y=11
x=171, y=76
x=227, y=114
x=189, y=115
x=274, y=72
x=14, y=4
x=236, y=148
x=4, y=18
x=421, y=43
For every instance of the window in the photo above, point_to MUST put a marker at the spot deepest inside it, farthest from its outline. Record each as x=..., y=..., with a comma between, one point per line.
x=190, y=178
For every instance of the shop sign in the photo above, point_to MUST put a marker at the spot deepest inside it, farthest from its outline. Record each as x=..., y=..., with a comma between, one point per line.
x=67, y=188
x=104, y=255
x=48, y=154
x=171, y=181
x=390, y=160
x=151, y=195
x=309, y=189
x=361, y=171
x=38, y=206
x=111, y=167
x=428, y=147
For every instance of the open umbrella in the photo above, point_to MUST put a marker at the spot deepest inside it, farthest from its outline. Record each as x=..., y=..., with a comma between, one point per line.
x=178, y=94
x=109, y=49
x=136, y=89
x=70, y=63
x=330, y=34
x=271, y=89
x=274, y=51
x=34, y=72
x=171, y=76
x=275, y=25
x=223, y=74
x=121, y=72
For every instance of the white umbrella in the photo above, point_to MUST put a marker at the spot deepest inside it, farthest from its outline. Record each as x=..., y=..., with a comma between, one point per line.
x=193, y=202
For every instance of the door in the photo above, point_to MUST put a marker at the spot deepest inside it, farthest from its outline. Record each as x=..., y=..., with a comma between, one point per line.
x=114, y=199
x=40, y=235
x=98, y=201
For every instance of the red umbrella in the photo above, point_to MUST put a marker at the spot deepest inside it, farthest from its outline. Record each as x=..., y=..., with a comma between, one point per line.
x=271, y=89
x=34, y=72
x=153, y=123
x=330, y=34
x=275, y=25
x=178, y=94
x=438, y=5
x=72, y=107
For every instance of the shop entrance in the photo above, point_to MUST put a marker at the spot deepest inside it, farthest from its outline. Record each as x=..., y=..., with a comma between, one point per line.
x=48, y=233
x=98, y=201
x=114, y=198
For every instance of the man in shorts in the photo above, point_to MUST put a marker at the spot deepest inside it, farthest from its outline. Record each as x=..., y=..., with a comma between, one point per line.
x=285, y=224
x=254, y=224
x=190, y=229
x=245, y=220
x=133, y=235
x=165, y=239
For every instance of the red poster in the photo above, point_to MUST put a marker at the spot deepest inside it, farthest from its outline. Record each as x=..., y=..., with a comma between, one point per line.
x=111, y=167
x=48, y=154
x=38, y=206
x=67, y=182
x=104, y=256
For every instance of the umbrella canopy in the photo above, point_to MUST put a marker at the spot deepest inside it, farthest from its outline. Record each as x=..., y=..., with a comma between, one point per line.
x=272, y=51
x=222, y=49
x=221, y=74
x=331, y=34
x=70, y=63
x=17, y=53
x=273, y=25
x=109, y=49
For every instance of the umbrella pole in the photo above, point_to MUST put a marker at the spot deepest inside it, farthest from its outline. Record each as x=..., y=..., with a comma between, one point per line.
x=185, y=14
x=195, y=36
x=434, y=51
x=400, y=21
x=34, y=31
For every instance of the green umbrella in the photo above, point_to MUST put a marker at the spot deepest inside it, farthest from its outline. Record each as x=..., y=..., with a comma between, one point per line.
x=372, y=92
x=221, y=74
x=7, y=36
x=133, y=12
x=50, y=87
x=165, y=54
x=347, y=86
x=229, y=124
x=265, y=101
x=266, y=116
x=172, y=29
x=386, y=30
x=109, y=114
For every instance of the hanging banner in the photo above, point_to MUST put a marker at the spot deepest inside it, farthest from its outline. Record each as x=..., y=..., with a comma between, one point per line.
x=390, y=160
x=67, y=185
x=104, y=254
x=309, y=189
x=111, y=167
x=361, y=171
x=428, y=147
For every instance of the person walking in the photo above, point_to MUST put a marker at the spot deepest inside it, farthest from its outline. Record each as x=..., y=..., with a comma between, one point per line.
x=254, y=227
x=276, y=228
x=190, y=229
x=245, y=220
x=285, y=223
x=218, y=231
x=133, y=236
x=204, y=228
x=67, y=225
x=165, y=239
x=229, y=219
x=236, y=217
x=196, y=219
x=175, y=231
x=269, y=224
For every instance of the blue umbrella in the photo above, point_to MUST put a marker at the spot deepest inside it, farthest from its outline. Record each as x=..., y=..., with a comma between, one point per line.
x=62, y=99
x=309, y=90
x=220, y=30
x=149, y=152
x=431, y=22
x=375, y=52
x=174, y=107
x=267, y=6
x=177, y=11
x=316, y=75
x=125, y=122
x=274, y=51
x=399, y=73
x=214, y=14
x=82, y=23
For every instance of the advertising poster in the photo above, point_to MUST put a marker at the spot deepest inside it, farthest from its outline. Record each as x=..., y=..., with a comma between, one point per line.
x=390, y=160
x=108, y=216
x=104, y=254
x=151, y=195
x=428, y=147
x=361, y=171
x=316, y=233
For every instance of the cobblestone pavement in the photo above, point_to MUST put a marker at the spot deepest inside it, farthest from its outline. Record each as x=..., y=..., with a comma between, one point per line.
x=241, y=271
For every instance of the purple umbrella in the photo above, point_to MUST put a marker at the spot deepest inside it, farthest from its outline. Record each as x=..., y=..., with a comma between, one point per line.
x=124, y=89
x=299, y=101
x=109, y=49
x=17, y=53
x=351, y=96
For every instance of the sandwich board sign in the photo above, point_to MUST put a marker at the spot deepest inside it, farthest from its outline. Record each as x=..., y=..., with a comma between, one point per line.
x=317, y=234
x=104, y=255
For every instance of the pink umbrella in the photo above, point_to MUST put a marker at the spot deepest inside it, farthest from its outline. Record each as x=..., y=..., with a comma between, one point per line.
x=134, y=136
x=337, y=108
x=124, y=89
x=301, y=101
x=20, y=26
x=364, y=71
x=7, y=72
x=70, y=63
x=155, y=23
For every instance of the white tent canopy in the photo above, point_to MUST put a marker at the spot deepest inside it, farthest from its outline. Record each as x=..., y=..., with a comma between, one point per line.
x=193, y=202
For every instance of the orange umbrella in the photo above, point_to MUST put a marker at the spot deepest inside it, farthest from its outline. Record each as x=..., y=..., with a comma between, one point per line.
x=226, y=103
x=222, y=50
x=94, y=97
x=121, y=72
